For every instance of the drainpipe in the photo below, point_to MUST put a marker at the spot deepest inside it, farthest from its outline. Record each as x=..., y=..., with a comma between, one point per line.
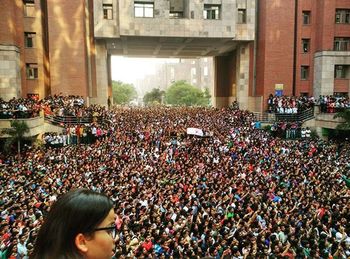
x=295, y=46
x=256, y=38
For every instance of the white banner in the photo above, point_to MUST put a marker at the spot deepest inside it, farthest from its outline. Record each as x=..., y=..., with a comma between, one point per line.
x=195, y=131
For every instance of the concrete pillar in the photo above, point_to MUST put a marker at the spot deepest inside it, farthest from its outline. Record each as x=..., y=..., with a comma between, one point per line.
x=231, y=81
x=224, y=80
x=242, y=92
x=101, y=75
x=10, y=72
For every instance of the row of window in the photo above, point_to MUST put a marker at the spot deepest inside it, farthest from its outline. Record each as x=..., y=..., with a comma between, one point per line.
x=340, y=44
x=146, y=10
x=341, y=16
x=340, y=72
x=211, y=12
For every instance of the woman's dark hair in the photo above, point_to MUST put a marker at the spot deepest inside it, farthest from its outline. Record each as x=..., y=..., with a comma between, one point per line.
x=78, y=211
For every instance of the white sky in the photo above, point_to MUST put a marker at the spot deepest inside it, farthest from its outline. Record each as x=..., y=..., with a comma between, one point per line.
x=129, y=70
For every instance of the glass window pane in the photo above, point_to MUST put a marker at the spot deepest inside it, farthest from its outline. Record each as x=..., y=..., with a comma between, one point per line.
x=149, y=12
x=138, y=12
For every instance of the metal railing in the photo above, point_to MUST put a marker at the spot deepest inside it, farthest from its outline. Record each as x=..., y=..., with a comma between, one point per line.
x=264, y=117
x=18, y=114
x=273, y=117
x=71, y=120
x=298, y=117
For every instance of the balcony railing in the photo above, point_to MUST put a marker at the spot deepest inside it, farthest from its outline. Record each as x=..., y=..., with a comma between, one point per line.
x=71, y=120
x=18, y=114
x=303, y=116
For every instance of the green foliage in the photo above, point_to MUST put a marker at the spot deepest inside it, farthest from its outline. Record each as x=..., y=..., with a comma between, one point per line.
x=345, y=116
x=153, y=97
x=123, y=93
x=267, y=128
x=15, y=134
x=184, y=94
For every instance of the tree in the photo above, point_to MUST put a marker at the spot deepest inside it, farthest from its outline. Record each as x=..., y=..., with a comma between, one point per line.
x=345, y=116
x=182, y=93
x=154, y=96
x=16, y=134
x=123, y=93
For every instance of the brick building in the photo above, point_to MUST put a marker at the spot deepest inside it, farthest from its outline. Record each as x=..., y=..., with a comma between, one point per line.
x=45, y=48
x=259, y=47
x=303, y=47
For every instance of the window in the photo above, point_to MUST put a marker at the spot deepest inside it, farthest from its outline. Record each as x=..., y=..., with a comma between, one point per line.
x=143, y=9
x=176, y=9
x=306, y=17
x=193, y=71
x=107, y=11
x=342, y=16
x=172, y=74
x=176, y=14
x=29, y=8
x=341, y=44
x=242, y=16
x=211, y=12
x=32, y=70
x=205, y=71
x=340, y=72
x=29, y=39
x=306, y=45
x=304, y=72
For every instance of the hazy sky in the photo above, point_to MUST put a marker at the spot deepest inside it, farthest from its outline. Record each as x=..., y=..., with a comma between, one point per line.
x=128, y=70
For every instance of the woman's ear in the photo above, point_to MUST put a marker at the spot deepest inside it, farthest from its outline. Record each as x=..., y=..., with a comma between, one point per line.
x=80, y=242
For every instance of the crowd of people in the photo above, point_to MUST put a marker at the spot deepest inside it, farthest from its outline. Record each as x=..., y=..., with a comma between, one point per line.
x=289, y=104
x=19, y=108
x=293, y=105
x=74, y=134
x=332, y=104
x=238, y=193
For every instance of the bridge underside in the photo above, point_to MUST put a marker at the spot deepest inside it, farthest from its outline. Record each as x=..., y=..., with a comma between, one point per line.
x=169, y=47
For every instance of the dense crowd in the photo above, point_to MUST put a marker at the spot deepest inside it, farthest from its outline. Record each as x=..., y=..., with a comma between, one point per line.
x=289, y=104
x=332, y=104
x=19, y=108
x=293, y=105
x=238, y=193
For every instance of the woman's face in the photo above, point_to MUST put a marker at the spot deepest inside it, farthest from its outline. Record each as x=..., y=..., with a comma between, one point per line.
x=101, y=245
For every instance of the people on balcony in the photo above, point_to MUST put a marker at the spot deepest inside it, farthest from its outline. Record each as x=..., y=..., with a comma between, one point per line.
x=289, y=104
x=19, y=108
x=332, y=104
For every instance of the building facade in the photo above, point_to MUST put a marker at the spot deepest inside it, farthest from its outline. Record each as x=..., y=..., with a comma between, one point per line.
x=303, y=48
x=197, y=72
x=44, y=48
x=258, y=47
